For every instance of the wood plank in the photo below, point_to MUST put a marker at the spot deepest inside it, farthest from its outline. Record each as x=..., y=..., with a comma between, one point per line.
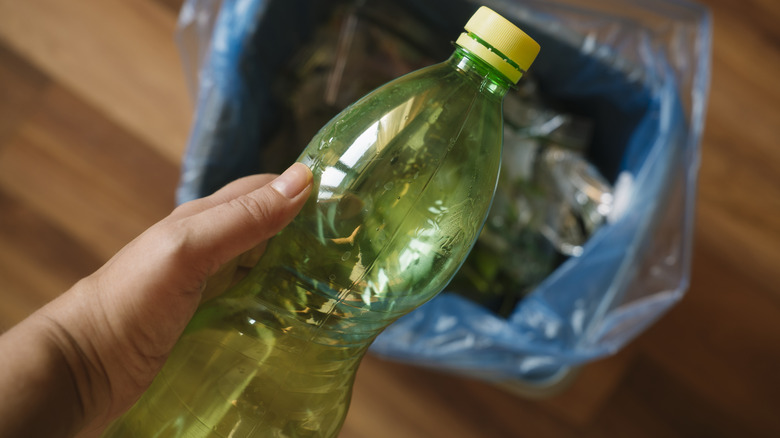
x=591, y=390
x=87, y=175
x=173, y=5
x=26, y=236
x=118, y=55
x=21, y=87
x=721, y=341
x=739, y=206
x=392, y=400
x=651, y=402
x=38, y=261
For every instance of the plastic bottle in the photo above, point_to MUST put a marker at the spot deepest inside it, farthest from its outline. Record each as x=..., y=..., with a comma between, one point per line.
x=403, y=180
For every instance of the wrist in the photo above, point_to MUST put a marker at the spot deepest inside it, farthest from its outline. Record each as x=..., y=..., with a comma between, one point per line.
x=46, y=398
x=70, y=332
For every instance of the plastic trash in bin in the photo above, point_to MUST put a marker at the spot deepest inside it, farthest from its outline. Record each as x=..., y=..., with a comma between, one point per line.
x=639, y=69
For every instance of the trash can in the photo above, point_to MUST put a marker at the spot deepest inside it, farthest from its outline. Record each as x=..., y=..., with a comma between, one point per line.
x=639, y=69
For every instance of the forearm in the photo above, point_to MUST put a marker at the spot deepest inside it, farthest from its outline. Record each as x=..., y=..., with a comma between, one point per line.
x=41, y=396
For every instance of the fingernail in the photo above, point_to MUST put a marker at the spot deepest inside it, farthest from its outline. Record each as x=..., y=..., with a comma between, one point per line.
x=293, y=181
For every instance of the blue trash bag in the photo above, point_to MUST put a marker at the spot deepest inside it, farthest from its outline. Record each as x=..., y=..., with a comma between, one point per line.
x=640, y=69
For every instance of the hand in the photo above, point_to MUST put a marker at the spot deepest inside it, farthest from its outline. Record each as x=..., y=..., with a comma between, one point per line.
x=87, y=356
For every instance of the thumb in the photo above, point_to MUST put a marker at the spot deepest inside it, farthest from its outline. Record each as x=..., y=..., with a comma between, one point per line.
x=237, y=225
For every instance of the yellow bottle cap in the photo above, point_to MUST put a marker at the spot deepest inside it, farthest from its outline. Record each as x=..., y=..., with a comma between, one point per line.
x=513, y=51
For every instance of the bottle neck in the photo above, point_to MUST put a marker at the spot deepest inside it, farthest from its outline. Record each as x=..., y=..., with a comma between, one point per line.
x=492, y=80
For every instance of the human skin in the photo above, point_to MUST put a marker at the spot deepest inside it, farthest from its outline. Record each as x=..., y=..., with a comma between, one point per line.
x=84, y=358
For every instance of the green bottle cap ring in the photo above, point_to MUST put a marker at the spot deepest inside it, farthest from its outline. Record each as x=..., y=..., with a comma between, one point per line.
x=512, y=51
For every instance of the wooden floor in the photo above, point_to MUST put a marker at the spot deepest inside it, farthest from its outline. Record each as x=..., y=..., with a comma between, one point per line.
x=93, y=120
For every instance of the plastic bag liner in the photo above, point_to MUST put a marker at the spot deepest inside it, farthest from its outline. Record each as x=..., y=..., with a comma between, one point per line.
x=639, y=68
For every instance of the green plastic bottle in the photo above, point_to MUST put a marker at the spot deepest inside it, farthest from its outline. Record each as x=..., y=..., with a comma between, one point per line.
x=403, y=180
